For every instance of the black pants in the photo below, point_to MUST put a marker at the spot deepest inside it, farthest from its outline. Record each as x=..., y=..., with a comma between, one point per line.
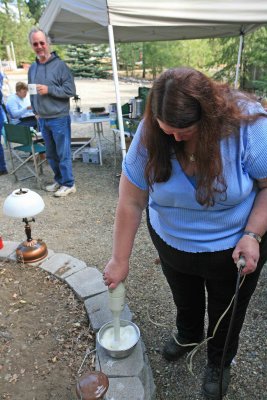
x=188, y=275
x=31, y=122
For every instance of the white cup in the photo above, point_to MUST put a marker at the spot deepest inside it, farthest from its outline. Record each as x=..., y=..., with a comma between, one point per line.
x=32, y=88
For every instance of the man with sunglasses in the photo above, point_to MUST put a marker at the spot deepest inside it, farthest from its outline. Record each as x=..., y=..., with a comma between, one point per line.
x=51, y=104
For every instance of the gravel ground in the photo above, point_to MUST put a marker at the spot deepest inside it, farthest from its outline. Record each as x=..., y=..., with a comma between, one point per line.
x=81, y=225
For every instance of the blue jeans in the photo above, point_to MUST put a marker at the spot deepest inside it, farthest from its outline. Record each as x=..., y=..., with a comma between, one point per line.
x=57, y=136
x=2, y=157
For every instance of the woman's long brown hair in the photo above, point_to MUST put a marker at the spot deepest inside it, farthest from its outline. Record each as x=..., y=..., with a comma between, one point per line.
x=179, y=98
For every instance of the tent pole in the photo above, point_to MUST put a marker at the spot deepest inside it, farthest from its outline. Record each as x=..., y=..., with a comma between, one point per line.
x=241, y=41
x=117, y=89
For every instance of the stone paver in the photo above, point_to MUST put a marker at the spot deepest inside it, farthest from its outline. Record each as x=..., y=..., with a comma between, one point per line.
x=9, y=249
x=146, y=376
x=129, y=366
x=86, y=283
x=125, y=389
x=62, y=265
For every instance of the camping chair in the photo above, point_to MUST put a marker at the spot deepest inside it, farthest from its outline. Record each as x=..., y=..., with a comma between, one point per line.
x=23, y=135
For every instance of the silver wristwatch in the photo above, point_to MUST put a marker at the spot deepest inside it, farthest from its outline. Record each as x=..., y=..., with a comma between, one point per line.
x=254, y=235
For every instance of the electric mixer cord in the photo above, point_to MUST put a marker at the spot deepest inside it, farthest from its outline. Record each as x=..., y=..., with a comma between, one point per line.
x=240, y=268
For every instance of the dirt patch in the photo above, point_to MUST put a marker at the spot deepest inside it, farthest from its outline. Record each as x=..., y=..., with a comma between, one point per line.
x=44, y=335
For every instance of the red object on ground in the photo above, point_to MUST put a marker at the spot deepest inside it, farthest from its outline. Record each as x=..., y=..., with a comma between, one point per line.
x=1, y=242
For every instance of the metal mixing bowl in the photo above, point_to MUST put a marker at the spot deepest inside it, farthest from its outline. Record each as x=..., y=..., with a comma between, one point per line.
x=118, y=353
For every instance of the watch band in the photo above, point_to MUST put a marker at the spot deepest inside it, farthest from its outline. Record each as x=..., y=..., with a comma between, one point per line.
x=253, y=235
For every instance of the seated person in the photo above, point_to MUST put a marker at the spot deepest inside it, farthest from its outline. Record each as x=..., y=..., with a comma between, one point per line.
x=19, y=110
x=19, y=107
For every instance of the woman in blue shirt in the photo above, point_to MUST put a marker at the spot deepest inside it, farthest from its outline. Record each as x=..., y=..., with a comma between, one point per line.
x=198, y=163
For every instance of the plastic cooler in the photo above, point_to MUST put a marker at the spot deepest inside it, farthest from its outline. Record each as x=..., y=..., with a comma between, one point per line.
x=91, y=155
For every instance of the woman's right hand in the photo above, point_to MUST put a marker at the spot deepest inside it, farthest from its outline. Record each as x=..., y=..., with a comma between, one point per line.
x=115, y=272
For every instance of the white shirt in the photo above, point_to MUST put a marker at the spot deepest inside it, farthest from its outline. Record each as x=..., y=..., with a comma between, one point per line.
x=17, y=108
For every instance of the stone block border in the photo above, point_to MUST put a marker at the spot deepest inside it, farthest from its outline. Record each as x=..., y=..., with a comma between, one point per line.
x=129, y=378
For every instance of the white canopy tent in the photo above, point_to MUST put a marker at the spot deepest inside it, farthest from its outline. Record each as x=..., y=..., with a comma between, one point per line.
x=99, y=21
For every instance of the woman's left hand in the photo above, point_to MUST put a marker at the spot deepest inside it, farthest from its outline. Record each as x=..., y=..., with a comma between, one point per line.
x=248, y=248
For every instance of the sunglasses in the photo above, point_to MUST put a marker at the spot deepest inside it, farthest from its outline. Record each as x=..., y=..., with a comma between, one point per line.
x=35, y=44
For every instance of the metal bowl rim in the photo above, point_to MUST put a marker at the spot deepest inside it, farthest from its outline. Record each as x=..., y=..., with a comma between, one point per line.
x=127, y=322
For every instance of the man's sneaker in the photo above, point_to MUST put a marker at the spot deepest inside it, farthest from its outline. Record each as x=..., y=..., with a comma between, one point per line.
x=52, y=188
x=211, y=384
x=65, y=190
x=172, y=350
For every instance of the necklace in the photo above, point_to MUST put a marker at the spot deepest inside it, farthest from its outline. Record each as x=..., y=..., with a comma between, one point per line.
x=192, y=157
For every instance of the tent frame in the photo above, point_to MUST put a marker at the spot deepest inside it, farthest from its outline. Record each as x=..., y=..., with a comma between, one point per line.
x=117, y=88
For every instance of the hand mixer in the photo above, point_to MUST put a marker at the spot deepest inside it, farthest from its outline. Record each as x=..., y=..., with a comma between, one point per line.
x=116, y=305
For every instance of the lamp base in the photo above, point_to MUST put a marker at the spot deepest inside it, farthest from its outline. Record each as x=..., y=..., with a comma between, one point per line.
x=30, y=252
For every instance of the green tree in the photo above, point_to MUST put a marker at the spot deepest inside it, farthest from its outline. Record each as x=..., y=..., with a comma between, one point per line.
x=154, y=57
x=129, y=55
x=14, y=27
x=36, y=8
x=194, y=53
x=89, y=61
x=253, y=74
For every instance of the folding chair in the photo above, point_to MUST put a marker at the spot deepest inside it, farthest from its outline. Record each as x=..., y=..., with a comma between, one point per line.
x=22, y=135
